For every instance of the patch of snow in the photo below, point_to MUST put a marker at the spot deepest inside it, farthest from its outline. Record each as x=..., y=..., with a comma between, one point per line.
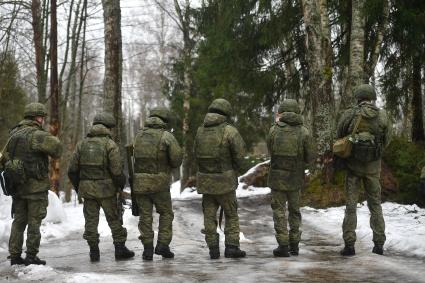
x=55, y=211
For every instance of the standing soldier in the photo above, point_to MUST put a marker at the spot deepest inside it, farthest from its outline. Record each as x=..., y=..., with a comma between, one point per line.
x=219, y=151
x=371, y=135
x=156, y=152
x=30, y=146
x=291, y=149
x=96, y=171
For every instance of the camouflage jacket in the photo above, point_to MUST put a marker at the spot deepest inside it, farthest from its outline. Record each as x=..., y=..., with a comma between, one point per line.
x=114, y=178
x=346, y=124
x=153, y=171
x=41, y=145
x=232, y=152
x=289, y=175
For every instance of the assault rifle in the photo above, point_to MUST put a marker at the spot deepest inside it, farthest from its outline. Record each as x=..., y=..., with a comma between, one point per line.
x=134, y=207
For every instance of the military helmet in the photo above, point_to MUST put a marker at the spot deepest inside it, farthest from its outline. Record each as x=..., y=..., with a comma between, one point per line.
x=105, y=119
x=221, y=106
x=162, y=113
x=365, y=92
x=35, y=109
x=289, y=105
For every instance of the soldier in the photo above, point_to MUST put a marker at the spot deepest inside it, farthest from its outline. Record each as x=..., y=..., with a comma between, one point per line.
x=291, y=149
x=219, y=151
x=156, y=153
x=32, y=145
x=364, y=165
x=96, y=171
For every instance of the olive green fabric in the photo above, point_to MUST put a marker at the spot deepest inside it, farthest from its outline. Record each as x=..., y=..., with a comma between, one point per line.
x=210, y=205
x=227, y=156
x=105, y=119
x=376, y=123
x=156, y=154
x=365, y=92
x=91, y=214
x=289, y=105
x=33, y=145
x=278, y=204
x=291, y=149
x=372, y=188
x=163, y=206
x=29, y=212
x=35, y=109
x=96, y=165
x=221, y=106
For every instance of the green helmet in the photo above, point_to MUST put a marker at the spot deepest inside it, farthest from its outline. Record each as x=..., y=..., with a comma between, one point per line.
x=162, y=113
x=365, y=92
x=221, y=106
x=105, y=119
x=289, y=105
x=35, y=110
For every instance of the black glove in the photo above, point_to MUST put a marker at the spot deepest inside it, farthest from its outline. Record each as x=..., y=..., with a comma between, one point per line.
x=119, y=181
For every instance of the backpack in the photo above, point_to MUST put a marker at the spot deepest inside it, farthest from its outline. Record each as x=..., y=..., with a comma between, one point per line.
x=367, y=143
x=93, y=159
x=209, y=142
x=147, y=151
x=285, y=148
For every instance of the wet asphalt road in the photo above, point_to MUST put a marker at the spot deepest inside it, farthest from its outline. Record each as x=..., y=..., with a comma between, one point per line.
x=318, y=261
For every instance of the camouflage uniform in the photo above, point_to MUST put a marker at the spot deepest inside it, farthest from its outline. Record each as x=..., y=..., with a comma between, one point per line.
x=156, y=153
x=96, y=171
x=291, y=149
x=33, y=145
x=364, y=164
x=219, y=151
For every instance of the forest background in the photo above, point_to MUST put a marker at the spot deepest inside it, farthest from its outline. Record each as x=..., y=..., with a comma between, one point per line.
x=83, y=56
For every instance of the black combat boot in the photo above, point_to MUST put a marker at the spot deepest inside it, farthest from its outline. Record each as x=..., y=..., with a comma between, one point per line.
x=215, y=252
x=164, y=251
x=147, y=252
x=94, y=253
x=378, y=249
x=348, y=251
x=16, y=260
x=294, y=249
x=281, y=251
x=233, y=252
x=30, y=259
x=121, y=251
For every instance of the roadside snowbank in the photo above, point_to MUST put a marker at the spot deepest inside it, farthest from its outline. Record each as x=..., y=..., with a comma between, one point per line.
x=405, y=226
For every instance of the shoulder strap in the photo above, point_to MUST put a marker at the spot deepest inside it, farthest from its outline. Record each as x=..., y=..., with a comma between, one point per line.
x=356, y=126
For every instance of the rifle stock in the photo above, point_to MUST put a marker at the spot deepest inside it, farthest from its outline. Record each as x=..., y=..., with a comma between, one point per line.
x=134, y=206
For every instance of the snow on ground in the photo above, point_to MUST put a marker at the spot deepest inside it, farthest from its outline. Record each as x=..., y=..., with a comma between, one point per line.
x=405, y=225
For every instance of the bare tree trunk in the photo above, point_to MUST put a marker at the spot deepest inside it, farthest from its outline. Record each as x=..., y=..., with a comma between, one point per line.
x=321, y=97
x=417, y=110
x=54, y=93
x=356, y=72
x=38, y=38
x=112, y=83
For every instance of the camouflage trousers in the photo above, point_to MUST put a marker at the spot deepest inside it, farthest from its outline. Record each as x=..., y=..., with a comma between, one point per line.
x=91, y=214
x=27, y=212
x=163, y=206
x=278, y=204
x=373, y=196
x=210, y=205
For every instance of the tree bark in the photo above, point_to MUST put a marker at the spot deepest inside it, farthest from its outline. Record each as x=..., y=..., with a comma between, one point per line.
x=320, y=77
x=356, y=72
x=39, y=48
x=417, y=107
x=54, y=93
x=112, y=84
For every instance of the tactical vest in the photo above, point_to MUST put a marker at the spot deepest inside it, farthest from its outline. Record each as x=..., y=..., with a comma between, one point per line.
x=368, y=143
x=148, y=157
x=35, y=163
x=286, y=147
x=94, y=159
x=211, y=155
